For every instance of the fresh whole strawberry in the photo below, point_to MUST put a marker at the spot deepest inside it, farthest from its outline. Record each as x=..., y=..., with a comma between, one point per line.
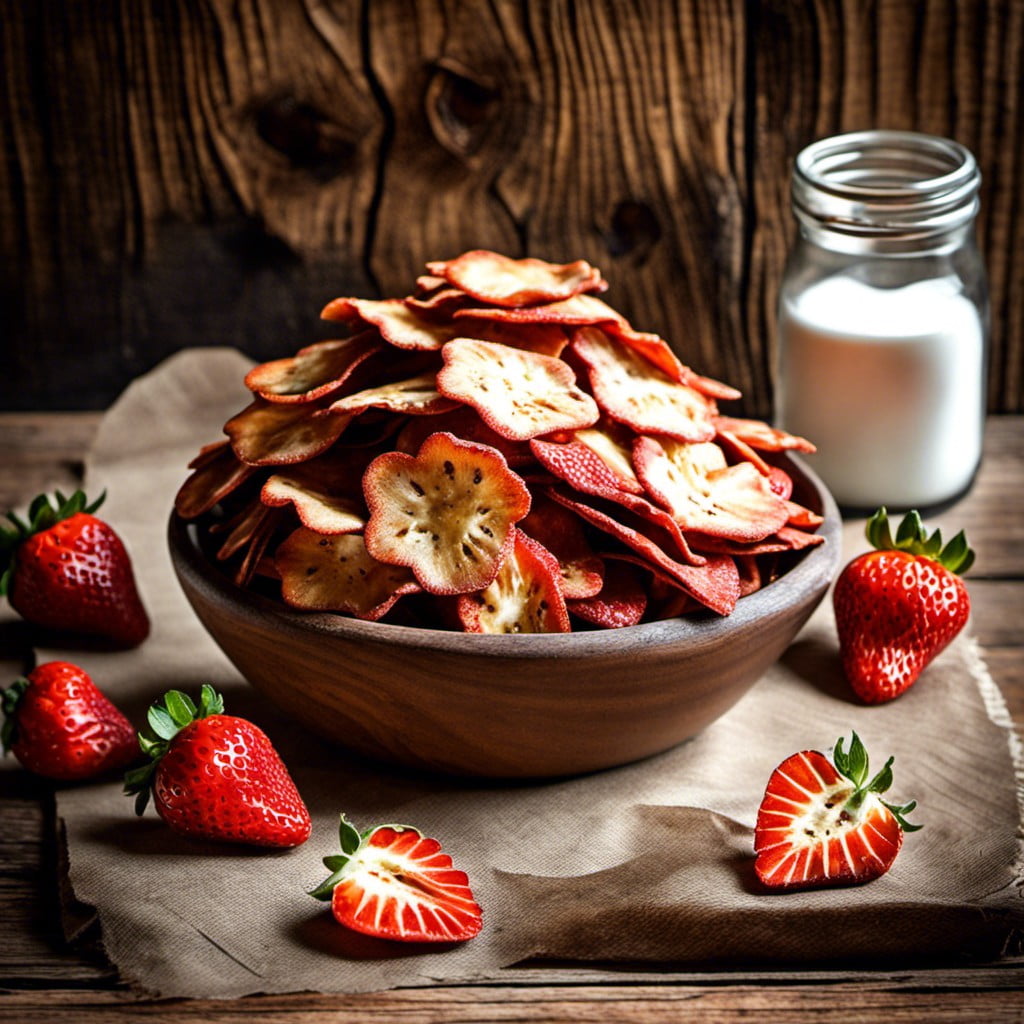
x=899, y=606
x=59, y=725
x=215, y=776
x=825, y=824
x=65, y=569
x=393, y=882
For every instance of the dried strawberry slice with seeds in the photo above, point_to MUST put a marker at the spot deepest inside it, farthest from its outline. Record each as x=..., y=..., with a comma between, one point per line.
x=399, y=324
x=714, y=584
x=578, y=311
x=269, y=434
x=314, y=371
x=702, y=492
x=503, y=281
x=447, y=512
x=463, y=422
x=417, y=396
x=577, y=465
x=761, y=436
x=217, y=474
x=620, y=602
x=317, y=507
x=560, y=531
x=633, y=391
x=517, y=393
x=525, y=596
x=337, y=574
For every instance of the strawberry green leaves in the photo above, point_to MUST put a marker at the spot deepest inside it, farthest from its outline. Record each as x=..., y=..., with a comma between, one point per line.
x=912, y=537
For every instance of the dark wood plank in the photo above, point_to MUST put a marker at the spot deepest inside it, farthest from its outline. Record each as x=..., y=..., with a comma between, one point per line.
x=194, y=173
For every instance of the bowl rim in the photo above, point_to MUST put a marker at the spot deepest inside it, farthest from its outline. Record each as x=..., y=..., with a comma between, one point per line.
x=812, y=574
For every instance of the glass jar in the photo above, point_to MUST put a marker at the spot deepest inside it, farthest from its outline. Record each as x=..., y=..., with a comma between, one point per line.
x=883, y=319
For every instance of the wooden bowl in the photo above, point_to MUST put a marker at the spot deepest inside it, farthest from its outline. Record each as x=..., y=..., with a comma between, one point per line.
x=508, y=706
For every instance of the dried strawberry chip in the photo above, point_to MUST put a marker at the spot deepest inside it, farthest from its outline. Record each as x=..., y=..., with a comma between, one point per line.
x=314, y=371
x=417, y=396
x=240, y=529
x=780, y=482
x=633, y=391
x=438, y=304
x=750, y=574
x=337, y=574
x=270, y=434
x=702, y=492
x=491, y=277
x=560, y=531
x=787, y=538
x=447, y=512
x=519, y=394
x=317, y=507
x=578, y=311
x=463, y=422
x=547, y=339
x=715, y=584
x=524, y=597
x=621, y=601
x=258, y=542
x=218, y=472
x=614, y=445
x=580, y=467
x=761, y=436
x=399, y=323
x=803, y=518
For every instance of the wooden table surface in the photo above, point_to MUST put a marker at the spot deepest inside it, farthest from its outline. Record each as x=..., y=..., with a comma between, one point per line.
x=43, y=978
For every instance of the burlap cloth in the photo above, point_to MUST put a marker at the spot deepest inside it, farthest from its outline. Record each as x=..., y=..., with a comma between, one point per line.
x=651, y=862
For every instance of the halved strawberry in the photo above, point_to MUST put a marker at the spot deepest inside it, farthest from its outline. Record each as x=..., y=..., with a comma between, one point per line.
x=393, y=882
x=824, y=824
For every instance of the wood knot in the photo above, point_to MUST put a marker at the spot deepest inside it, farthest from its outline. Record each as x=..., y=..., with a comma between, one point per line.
x=308, y=138
x=634, y=230
x=461, y=106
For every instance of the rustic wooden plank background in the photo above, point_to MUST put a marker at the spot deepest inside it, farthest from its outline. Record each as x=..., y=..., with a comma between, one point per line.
x=198, y=172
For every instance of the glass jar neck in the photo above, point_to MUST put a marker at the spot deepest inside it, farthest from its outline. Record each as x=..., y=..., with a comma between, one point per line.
x=897, y=193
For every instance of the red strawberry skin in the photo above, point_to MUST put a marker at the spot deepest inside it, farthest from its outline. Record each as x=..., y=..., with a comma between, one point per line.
x=66, y=729
x=806, y=836
x=895, y=612
x=222, y=779
x=76, y=576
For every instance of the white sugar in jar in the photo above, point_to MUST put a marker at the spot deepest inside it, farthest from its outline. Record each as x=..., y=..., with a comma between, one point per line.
x=883, y=319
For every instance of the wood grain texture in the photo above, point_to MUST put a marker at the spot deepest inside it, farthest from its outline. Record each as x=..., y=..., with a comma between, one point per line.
x=187, y=172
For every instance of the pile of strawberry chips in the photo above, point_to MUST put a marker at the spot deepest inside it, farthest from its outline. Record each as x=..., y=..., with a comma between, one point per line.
x=498, y=452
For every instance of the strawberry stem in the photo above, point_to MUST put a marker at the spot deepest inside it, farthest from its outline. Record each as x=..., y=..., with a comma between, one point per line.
x=913, y=538
x=853, y=764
